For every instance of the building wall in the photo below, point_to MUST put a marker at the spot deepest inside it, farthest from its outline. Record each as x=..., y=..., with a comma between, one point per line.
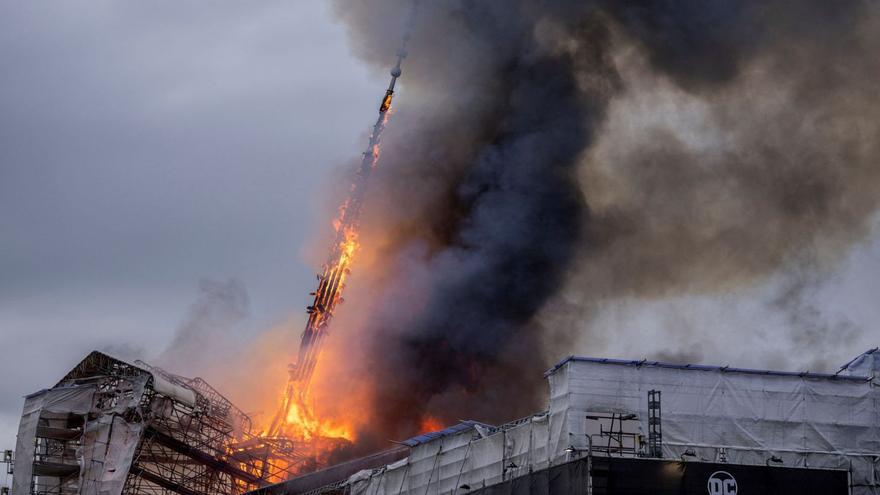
x=793, y=433
x=627, y=476
x=749, y=417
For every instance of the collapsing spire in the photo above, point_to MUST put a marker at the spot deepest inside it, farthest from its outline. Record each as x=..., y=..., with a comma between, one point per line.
x=331, y=281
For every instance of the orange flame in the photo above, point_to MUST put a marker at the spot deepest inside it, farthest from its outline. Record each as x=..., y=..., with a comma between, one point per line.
x=429, y=424
x=319, y=434
x=302, y=423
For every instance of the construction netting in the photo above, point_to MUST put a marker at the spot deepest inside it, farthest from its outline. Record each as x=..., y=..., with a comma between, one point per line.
x=477, y=456
x=739, y=416
x=51, y=451
x=720, y=415
x=58, y=402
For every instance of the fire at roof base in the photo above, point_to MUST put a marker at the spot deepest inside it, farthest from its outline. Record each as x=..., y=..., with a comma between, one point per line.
x=617, y=426
x=111, y=427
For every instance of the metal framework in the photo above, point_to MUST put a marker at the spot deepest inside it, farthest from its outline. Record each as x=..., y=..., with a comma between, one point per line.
x=615, y=439
x=184, y=437
x=331, y=282
x=655, y=424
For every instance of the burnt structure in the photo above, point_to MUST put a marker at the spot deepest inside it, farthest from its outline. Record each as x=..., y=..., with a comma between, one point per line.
x=722, y=431
x=110, y=427
x=331, y=281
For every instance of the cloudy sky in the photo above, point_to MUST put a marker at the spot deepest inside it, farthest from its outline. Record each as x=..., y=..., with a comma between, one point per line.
x=146, y=147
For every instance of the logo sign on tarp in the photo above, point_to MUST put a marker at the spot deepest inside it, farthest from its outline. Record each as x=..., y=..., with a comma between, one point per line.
x=722, y=483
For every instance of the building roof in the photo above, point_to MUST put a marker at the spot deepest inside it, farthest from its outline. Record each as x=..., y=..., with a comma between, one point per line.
x=337, y=472
x=452, y=430
x=854, y=362
x=702, y=367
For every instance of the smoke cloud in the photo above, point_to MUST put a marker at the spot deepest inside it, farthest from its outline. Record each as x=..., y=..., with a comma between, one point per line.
x=548, y=156
x=210, y=331
x=215, y=342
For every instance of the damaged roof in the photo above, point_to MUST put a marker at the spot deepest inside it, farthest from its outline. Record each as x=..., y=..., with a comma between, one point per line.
x=452, y=430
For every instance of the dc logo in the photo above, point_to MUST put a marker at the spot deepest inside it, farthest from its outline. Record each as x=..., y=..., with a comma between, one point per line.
x=722, y=483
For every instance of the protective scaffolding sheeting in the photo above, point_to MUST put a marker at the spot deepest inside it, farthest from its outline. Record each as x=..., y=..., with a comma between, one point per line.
x=865, y=364
x=476, y=456
x=109, y=445
x=430, y=467
x=748, y=416
x=484, y=464
x=112, y=428
x=57, y=402
x=747, y=420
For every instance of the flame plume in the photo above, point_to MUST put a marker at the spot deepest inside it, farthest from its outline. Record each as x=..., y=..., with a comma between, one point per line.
x=295, y=418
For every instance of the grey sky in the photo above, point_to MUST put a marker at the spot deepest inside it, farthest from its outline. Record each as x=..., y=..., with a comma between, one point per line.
x=144, y=146
x=147, y=145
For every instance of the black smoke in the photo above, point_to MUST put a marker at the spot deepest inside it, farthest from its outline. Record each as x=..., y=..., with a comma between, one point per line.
x=504, y=180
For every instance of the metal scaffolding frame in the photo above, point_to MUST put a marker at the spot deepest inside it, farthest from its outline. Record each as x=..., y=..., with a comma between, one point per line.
x=184, y=437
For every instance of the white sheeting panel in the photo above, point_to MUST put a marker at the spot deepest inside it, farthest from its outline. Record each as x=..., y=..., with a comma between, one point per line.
x=483, y=466
x=74, y=400
x=432, y=468
x=525, y=446
x=540, y=454
x=423, y=465
x=806, y=421
x=392, y=479
x=24, y=444
x=108, y=447
x=451, y=463
x=866, y=364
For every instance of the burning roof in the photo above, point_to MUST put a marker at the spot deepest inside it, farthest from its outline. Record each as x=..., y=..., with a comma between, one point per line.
x=602, y=408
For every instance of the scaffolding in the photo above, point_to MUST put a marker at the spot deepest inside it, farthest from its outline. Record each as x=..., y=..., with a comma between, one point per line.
x=112, y=428
x=655, y=424
x=604, y=432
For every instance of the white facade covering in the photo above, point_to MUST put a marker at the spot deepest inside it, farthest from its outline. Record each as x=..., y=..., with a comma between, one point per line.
x=106, y=447
x=58, y=401
x=866, y=364
x=806, y=420
x=110, y=428
x=473, y=456
x=709, y=414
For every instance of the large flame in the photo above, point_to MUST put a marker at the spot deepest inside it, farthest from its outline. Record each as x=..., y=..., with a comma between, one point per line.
x=302, y=420
x=318, y=434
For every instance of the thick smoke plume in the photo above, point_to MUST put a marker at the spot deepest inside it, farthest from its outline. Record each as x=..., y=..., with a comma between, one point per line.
x=547, y=155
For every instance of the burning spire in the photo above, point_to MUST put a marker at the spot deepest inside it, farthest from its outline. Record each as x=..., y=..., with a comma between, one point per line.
x=295, y=417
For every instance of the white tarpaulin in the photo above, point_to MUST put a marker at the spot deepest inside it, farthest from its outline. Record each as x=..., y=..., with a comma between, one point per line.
x=806, y=420
x=73, y=400
x=106, y=445
x=716, y=414
x=464, y=458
